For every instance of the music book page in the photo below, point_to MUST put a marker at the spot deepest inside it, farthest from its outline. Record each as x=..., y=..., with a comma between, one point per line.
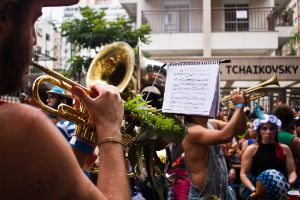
x=192, y=89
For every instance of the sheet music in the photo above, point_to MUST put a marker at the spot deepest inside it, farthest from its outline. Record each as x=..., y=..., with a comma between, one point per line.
x=192, y=89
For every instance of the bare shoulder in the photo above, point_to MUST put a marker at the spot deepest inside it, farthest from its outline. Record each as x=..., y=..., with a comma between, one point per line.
x=9, y=112
x=251, y=150
x=195, y=131
x=25, y=128
x=296, y=141
x=20, y=120
x=41, y=159
x=285, y=147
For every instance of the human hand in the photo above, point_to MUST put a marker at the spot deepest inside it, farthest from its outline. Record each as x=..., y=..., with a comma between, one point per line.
x=237, y=96
x=105, y=110
x=253, y=194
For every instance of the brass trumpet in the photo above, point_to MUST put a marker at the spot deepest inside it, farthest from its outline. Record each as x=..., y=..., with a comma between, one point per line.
x=252, y=98
x=113, y=65
x=272, y=81
x=78, y=116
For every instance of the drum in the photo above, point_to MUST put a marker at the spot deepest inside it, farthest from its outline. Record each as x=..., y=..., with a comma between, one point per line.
x=274, y=183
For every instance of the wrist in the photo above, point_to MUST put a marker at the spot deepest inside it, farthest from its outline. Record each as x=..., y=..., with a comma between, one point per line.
x=239, y=105
x=252, y=189
x=110, y=139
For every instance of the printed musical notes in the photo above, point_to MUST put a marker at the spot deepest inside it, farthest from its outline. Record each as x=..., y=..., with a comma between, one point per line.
x=192, y=89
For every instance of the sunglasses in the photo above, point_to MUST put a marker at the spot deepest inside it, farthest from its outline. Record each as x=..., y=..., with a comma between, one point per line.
x=50, y=96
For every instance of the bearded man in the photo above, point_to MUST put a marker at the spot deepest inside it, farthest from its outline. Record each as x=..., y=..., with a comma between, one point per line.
x=36, y=161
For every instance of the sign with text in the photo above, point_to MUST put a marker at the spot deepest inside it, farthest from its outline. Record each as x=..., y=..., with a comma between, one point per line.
x=256, y=68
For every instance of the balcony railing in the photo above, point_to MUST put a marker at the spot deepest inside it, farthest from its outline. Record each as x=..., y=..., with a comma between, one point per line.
x=173, y=21
x=225, y=19
x=251, y=19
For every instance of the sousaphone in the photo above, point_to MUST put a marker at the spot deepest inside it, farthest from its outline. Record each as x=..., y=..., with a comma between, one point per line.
x=114, y=65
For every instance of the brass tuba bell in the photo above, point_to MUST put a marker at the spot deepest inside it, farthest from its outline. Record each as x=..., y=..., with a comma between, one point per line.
x=114, y=65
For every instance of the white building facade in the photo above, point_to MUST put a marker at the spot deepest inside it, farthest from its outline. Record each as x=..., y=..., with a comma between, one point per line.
x=48, y=48
x=250, y=33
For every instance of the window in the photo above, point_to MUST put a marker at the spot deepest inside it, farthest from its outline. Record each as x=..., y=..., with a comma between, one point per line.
x=176, y=16
x=236, y=17
x=47, y=52
x=39, y=49
x=47, y=37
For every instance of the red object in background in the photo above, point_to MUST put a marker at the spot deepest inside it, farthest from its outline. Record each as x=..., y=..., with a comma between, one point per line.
x=293, y=195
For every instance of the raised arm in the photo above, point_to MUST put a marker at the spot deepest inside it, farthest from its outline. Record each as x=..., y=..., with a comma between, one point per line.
x=106, y=112
x=236, y=125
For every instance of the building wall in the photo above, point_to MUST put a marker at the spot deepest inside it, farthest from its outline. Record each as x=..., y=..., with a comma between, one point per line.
x=48, y=44
x=249, y=50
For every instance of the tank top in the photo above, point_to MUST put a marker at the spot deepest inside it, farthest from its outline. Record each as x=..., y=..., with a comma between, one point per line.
x=265, y=158
x=250, y=141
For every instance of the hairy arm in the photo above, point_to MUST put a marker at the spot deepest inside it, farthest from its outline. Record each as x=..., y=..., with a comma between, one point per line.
x=106, y=111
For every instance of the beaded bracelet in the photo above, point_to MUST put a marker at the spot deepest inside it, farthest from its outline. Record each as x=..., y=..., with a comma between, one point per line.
x=240, y=105
x=81, y=145
x=110, y=139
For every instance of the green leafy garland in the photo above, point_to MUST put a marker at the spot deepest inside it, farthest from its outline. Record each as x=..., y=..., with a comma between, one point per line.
x=166, y=127
x=156, y=130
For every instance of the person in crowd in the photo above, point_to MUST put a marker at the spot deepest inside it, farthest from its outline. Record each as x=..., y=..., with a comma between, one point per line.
x=233, y=164
x=57, y=96
x=181, y=185
x=267, y=153
x=297, y=124
x=36, y=161
x=179, y=182
x=30, y=100
x=286, y=135
x=250, y=138
x=204, y=158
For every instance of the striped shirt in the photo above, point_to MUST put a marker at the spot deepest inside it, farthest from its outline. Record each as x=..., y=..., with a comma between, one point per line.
x=67, y=128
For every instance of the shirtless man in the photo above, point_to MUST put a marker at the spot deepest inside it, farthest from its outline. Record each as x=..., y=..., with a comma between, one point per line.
x=204, y=158
x=36, y=161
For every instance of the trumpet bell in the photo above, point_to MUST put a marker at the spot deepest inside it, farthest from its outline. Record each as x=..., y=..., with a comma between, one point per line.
x=113, y=65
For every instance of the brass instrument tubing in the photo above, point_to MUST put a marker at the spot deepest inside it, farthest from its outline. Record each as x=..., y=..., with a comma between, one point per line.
x=62, y=78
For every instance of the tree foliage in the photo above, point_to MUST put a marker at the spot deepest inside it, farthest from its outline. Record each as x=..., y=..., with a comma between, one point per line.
x=93, y=30
x=292, y=41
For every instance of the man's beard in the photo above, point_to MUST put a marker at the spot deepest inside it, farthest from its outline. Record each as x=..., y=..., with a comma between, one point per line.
x=14, y=61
